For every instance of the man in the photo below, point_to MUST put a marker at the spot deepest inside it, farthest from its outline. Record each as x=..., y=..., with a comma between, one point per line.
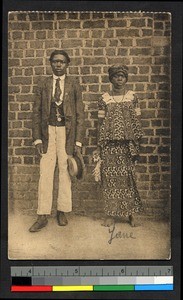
x=58, y=131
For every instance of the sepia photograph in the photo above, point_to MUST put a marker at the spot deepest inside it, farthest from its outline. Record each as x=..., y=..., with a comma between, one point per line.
x=89, y=135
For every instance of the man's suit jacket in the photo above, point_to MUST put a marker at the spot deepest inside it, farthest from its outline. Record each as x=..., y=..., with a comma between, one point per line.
x=73, y=111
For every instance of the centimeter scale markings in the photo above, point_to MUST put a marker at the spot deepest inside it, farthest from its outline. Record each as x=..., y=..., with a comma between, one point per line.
x=91, y=278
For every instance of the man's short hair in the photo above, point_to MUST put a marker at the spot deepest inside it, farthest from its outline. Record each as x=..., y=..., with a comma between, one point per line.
x=62, y=52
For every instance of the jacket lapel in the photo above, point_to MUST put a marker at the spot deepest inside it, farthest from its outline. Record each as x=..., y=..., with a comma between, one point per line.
x=67, y=97
x=49, y=89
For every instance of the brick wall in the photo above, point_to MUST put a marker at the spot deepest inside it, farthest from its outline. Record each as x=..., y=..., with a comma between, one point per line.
x=94, y=41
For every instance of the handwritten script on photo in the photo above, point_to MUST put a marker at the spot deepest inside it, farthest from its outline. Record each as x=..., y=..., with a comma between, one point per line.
x=119, y=234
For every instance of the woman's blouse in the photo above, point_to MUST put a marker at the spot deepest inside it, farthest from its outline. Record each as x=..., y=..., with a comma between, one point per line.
x=120, y=119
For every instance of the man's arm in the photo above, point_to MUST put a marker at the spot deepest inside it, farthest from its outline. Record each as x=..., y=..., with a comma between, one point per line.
x=79, y=115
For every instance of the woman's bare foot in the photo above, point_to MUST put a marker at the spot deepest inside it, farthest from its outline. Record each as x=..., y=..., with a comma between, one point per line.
x=132, y=221
x=108, y=222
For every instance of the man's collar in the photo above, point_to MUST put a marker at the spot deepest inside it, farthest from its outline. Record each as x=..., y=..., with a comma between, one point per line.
x=61, y=77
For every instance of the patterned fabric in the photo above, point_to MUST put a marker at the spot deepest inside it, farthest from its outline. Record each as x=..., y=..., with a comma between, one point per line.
x=121, y=122
x=119, y=137
x=119, y=189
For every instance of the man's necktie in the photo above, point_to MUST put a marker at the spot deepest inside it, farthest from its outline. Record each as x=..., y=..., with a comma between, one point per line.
x=57, y=91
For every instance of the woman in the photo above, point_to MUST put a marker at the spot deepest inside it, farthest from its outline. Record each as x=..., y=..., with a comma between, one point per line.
x=119, y=133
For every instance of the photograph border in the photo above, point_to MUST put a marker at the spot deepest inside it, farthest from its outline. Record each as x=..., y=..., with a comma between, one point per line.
x=176, y=146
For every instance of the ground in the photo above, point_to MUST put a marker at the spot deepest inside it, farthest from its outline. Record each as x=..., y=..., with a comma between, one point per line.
x=85, y=239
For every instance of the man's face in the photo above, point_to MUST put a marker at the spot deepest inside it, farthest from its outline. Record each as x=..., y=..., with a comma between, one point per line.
x=59, y=64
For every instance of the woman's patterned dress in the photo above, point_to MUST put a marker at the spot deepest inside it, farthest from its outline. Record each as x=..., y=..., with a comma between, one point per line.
x=118, y=138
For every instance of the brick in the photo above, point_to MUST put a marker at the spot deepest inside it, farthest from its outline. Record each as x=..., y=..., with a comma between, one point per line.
x=17, y=35
x=147, y=149
x=40, y=53
x=141, y=169
x=156, y=123
x=28, y=71
x=93, y=24
x=49, y=16
x=28, y=35
x=163, y=131
x=143, y=42
x=19, y=133
x=162, y=16
x=146, y=32
x=138, y=78
x=25, y=107
x=162, y=60
x=17, y=142
x=97, y=15
x=163, y=113
x=36, y=44
x=69, y=24
x=164, y=104
x=41, y=35
x=74, y=70
x=154, y=140
x=159, y=25
x=39, y=70
x=72, y=33
x=165, y=159
x=96, y=33
x=19, y=26
x=13, y=89
x=14, y=106
x=164, y=149
x=21, y=80
x=84, y=34
x=116, y=23
x=108, y=33
x=155, y=177
x=96, y=70
x=13, y=62
x=25, y=151
x=142, y=159
x=148, y=132
x=98, y=52
x=166, y=123
x=94, y=60
x=142, y=60
x=16, y=160
x=85, y=70
x=29, y=53
x=165, y=169
x=71, y=43
x=60, y=34
x=152, y=159
x=28, y=142
x=159, y=78
x=153, y=169
x=32, y=62
x=100, y=43
x=126, y=42
x=25, y=89
x=16, y=124
x=17, y=53
x=127, y=32
x=110, y=51
x=118, y=60
x=42, y=25
x=11, y=116
x=122, y=52
x=140, y=51
x=24, y=115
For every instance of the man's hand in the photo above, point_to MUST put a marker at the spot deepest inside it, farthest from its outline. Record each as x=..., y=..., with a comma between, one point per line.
x=77, y=149
x=39, y=148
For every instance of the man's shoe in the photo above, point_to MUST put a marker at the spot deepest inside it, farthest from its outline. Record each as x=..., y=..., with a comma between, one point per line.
x=39, y=224
x=61, y=218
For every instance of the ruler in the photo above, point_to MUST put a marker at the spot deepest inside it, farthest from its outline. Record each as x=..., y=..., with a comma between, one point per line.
x=91, y=278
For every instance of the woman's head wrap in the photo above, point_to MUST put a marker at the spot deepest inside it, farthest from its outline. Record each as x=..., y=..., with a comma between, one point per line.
x=113, y=70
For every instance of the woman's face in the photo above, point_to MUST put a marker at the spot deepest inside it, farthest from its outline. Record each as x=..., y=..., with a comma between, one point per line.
x=118, y=80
